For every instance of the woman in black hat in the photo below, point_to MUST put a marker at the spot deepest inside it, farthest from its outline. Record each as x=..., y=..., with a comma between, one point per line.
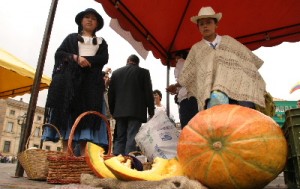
x=77, y=83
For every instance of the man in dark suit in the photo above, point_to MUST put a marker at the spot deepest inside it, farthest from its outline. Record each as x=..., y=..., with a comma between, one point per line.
x=129, y=97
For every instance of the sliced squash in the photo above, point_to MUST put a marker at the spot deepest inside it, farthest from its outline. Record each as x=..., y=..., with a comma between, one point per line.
x=94, y=156
x=161, y=169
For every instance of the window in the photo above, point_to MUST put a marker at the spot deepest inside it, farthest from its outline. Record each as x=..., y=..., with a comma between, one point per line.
x=58, y=149
x=12, y=112
x=6, y=146
x=10, y=126
x=39, y=118
x=37, y=132
x=47, y=147
x=35, y=145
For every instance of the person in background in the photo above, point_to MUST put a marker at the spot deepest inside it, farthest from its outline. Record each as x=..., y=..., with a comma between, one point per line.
x=106, y=78
x=188, y=106
x=298, y=103
x=221, y=70
x=159, y=106
x=157, y=101
x=77, y=84
x=129, y=97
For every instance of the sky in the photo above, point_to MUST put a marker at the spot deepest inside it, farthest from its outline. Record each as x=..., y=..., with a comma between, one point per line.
x=23, y=24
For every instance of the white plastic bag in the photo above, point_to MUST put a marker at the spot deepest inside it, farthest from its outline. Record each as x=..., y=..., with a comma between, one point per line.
x=158, y=137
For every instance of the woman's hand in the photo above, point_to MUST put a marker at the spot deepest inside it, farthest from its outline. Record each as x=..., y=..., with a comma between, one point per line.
x=81, y=61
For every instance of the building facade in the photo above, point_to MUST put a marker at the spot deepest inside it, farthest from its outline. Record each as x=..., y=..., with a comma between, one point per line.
x=12, y=121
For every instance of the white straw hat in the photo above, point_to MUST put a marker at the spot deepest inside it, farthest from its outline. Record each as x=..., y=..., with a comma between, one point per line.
x=206, y=12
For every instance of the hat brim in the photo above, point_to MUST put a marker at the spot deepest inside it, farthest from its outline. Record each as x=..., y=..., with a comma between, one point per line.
x=80, y=15
x=217, y=16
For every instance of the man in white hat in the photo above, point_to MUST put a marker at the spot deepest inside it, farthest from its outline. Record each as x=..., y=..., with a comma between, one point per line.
x=226, y=70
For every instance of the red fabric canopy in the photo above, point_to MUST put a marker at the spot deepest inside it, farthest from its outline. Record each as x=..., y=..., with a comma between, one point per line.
x=164, y=26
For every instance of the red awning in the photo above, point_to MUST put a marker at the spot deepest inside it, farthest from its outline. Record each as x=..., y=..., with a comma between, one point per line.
x=164, y=26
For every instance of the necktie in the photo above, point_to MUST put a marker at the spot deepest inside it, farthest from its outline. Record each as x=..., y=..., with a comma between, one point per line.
x=213, y=45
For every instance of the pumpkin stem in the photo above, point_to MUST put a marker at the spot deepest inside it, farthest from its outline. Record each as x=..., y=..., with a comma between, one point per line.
x=217, y=145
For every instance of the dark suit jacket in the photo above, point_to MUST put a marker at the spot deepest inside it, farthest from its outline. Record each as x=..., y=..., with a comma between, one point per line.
x=130, y=93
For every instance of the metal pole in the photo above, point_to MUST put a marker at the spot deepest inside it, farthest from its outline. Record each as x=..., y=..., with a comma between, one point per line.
x=168, y=83
x=21, y=122
x=37, y=80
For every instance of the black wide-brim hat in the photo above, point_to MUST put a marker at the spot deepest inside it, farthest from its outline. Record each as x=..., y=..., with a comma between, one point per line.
x=80, y=16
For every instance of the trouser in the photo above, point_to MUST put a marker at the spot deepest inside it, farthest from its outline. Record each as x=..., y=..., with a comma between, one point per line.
x=187, y=110
x=242, y=103
x=124, y=135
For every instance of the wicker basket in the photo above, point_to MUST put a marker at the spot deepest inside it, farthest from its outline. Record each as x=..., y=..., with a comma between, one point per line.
x=34, y=161
x=68, y=169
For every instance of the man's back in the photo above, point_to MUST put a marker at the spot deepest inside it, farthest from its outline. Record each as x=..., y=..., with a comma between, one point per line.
x=130, y=92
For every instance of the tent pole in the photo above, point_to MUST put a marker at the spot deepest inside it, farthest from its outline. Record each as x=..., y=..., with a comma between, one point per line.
x=168, y=83
x=36, y=84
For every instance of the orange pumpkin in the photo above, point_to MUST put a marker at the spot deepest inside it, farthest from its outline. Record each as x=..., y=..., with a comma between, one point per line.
x=230, y=146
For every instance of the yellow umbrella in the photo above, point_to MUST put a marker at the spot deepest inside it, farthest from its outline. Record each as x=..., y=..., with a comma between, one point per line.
x=16, y=76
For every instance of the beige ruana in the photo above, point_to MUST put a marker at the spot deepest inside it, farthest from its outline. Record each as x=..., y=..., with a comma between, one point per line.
x=231, y=68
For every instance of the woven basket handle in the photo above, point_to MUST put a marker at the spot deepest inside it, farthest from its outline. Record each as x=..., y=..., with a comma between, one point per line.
x=46, y=124
x=70, y=149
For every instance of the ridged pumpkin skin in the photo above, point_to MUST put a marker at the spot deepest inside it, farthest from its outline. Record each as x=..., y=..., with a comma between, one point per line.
x=230, y=146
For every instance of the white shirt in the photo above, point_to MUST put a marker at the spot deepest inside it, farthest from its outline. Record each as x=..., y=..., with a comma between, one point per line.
x=159, y=108
x=162, y=108
x=182, y=92
x=215, y=43
x=87, y=48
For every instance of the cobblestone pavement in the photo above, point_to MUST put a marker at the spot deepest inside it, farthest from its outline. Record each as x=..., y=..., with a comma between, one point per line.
x=7, y=181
